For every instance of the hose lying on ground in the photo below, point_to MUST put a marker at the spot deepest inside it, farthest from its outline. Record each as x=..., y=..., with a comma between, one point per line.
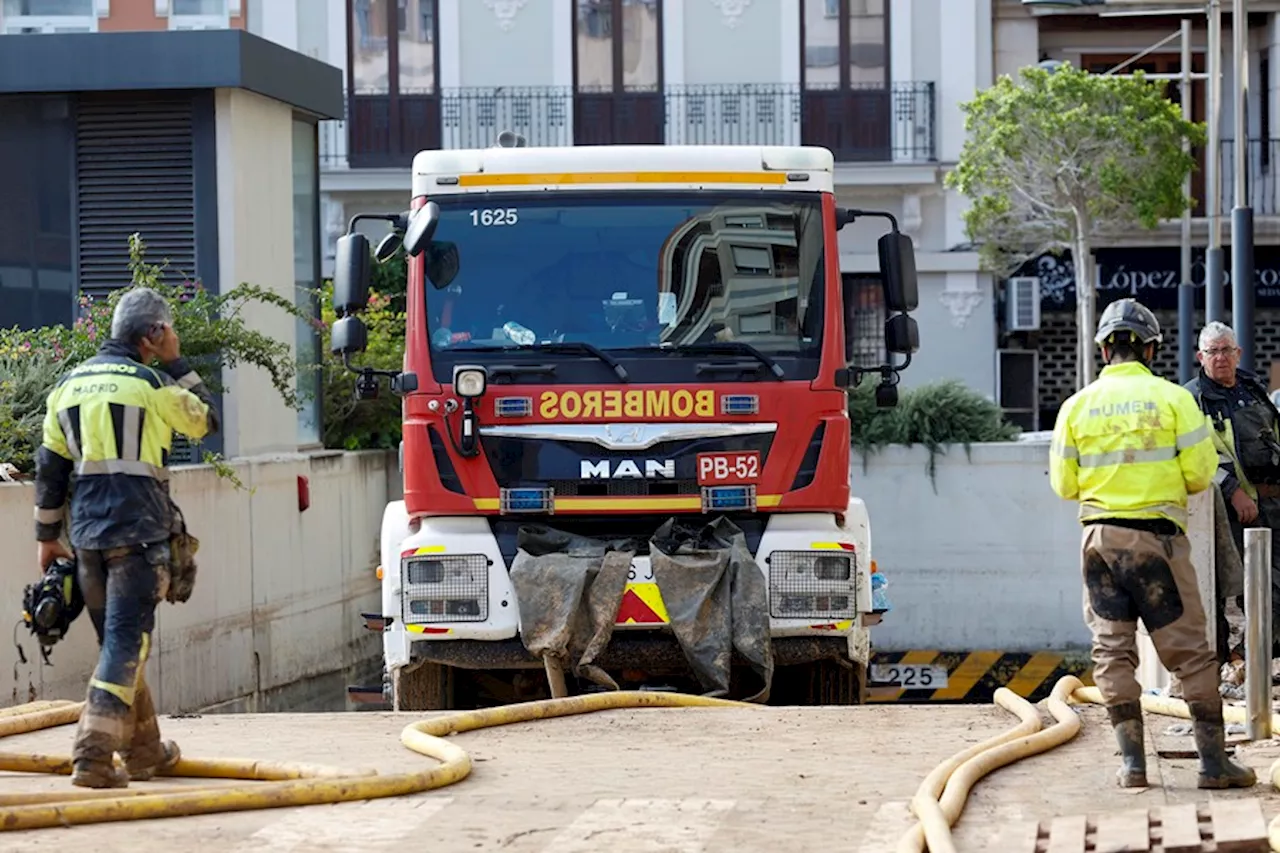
x=937, y=814
x=278, y=784
x=1169, y=707
x=963, y=770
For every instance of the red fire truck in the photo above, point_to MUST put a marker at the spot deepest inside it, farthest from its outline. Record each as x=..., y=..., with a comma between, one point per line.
x=612, y=343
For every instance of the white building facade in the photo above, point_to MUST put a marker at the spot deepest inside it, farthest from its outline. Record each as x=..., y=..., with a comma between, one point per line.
x=861, y=77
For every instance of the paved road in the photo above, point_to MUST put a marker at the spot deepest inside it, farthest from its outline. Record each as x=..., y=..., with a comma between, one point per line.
x=687, y=781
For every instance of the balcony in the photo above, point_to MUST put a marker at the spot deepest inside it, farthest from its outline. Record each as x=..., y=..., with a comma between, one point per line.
x=866, y=125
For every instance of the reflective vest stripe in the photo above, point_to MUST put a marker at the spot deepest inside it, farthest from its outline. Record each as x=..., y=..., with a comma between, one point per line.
x=1123, y=457
x=49, y=516
x=1064, y=451
x=69, y=420
x=1194, y=437
x=126, y=423
x=1175, y=513
x=131, y=467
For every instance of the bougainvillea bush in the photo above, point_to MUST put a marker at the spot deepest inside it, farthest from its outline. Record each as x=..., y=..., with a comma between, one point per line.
x=212, y=328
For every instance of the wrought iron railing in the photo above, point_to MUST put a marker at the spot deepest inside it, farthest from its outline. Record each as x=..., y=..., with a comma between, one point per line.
x=865, y=124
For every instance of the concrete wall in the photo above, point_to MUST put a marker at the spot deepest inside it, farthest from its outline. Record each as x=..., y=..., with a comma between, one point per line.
x=990, y=560
x=255, y=244
x=278, y=595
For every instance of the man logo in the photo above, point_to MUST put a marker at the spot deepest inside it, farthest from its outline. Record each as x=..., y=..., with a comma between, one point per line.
x=628, y=469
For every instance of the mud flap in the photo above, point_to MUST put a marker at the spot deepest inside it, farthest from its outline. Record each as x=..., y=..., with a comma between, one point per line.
x=569, y=589
x=716, y=597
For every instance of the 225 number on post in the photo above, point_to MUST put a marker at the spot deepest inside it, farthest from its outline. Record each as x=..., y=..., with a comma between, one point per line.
x=910, y=676
x=495, y=216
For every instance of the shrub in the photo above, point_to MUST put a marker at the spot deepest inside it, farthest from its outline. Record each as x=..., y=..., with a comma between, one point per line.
x=350, y=423
x=935, y=415
x=212, y=329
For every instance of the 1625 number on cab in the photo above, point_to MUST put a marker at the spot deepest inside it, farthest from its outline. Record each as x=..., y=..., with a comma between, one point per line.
x=495, y=216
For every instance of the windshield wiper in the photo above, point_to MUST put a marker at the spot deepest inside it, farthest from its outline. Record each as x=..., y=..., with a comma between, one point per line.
x=712, y=347
x=558, y=346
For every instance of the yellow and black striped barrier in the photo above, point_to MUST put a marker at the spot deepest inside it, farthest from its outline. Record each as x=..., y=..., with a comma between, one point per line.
x=923, y=675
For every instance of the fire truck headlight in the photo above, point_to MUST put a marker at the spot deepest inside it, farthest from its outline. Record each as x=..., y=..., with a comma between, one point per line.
x=468, y=381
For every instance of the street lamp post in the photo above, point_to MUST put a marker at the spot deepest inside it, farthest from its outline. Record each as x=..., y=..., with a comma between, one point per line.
x=1241, y=213
x=1214, y=309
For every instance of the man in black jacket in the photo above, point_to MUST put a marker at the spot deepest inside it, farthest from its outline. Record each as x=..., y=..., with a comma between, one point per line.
x=110, y=422
x=1247, y=434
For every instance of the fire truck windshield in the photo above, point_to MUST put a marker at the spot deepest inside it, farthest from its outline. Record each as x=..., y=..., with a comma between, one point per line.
x=633, y=274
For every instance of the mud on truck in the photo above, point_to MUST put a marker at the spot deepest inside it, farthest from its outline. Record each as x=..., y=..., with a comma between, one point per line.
x=626, y=436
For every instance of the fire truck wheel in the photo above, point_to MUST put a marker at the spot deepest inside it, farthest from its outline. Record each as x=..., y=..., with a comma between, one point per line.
x=424, y=686
x=822, y=682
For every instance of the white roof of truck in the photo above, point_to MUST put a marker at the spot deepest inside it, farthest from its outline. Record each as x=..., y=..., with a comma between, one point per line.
x=794, y=168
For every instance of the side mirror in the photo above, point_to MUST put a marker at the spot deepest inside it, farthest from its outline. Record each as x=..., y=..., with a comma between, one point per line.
x=348, y=336
x=351, y=274
x=898, y=268
x=387, y=248
x=901, y=334
x=850, y=311
x=421, y=228
x=442, y=264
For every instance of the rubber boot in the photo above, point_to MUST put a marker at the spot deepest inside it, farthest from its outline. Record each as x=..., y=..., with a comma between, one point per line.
x=144, y=764
x=1216, y=769
x=1126, y=719
x=146, y=754
x=94, y=764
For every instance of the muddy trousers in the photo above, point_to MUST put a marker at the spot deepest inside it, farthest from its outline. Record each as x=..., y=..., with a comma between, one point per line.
x=121, y=589
x=1132, y=574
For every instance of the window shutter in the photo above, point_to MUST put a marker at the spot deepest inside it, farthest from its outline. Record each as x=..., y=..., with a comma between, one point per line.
x=135, y=172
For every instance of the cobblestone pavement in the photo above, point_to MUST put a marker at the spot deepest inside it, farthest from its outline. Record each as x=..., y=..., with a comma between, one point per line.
x=687, y=780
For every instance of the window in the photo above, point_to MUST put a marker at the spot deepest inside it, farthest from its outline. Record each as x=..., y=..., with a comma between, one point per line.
x=37, y=137
x=200, y=14
x=845, y=44
x=48, y=16
x=306, y=274
x=415, y=23
x=641, y=277
x=618, y=58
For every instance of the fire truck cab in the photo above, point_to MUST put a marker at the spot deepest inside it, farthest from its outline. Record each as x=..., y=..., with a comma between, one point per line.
x=600, y=341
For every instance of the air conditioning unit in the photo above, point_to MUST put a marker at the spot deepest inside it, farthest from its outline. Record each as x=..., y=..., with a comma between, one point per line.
x=1018, y=386
x=1022, y=304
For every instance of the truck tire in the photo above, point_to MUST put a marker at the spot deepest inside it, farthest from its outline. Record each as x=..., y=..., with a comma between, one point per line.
x=821, y=682
x=423, y=686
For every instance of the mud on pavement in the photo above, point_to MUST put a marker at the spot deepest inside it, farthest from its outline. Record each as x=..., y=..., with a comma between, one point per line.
x=686, y=780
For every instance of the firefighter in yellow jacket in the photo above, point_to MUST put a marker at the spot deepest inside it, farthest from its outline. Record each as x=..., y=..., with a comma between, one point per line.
x=1130, y=447
x=110, y=422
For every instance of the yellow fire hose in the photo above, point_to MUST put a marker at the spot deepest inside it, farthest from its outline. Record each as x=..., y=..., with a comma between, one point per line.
x=277, y=785
x=937, y=814
x=937, y=803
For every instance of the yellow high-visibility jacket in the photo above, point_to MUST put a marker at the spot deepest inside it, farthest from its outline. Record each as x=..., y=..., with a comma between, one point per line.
x=1131, y=445
x=110, y=423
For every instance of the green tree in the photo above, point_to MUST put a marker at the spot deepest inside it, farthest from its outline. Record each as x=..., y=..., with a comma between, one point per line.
x=1062, y=158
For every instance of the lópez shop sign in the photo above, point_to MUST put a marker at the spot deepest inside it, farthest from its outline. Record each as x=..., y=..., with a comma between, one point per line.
x=1151, y=275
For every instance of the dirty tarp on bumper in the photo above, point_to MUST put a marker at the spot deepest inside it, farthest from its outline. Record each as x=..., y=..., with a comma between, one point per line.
x=569, y=588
